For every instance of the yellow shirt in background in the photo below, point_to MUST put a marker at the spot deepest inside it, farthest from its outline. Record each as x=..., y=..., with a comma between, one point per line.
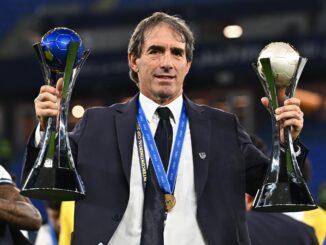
x=66, y=222
x=317, y=219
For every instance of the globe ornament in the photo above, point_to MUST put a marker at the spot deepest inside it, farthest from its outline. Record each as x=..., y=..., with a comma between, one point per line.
x=284, y=62
x=55, y=44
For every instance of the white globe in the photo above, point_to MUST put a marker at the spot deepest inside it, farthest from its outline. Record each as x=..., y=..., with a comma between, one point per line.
x=284, y=61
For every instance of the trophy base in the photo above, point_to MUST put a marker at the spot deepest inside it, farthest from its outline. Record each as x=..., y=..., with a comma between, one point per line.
x=283, y=197
x=56, y=184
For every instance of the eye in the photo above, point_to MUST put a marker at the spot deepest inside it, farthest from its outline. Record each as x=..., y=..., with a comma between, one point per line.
x=155, y=50
x=178, y=52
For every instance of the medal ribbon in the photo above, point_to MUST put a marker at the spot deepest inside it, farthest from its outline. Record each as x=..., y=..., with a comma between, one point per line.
x=166, y=182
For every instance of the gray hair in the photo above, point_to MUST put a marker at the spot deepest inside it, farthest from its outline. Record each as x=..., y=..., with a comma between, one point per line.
x=136, y=41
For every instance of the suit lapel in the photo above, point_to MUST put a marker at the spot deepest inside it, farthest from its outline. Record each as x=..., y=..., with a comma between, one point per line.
x=200, y=128
x=125, y=127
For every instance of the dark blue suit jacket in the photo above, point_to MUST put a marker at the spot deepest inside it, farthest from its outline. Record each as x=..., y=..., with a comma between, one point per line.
x=278, y=228
x=102, y=144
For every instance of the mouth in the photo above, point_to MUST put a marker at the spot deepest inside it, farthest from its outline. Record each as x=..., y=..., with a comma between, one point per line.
x=166, y=78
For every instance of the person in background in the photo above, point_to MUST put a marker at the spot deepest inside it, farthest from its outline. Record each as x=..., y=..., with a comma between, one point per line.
x=16, y=213
x=66, y=222
x=49, y=233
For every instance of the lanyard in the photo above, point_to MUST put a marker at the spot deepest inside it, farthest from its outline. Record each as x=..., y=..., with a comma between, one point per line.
x=141, y=155
x=166, y=182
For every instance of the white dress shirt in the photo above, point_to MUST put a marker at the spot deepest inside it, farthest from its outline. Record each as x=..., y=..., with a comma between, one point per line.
x=181, y=224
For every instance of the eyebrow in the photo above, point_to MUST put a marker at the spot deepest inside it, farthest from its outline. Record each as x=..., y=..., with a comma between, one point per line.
x=160, y=48
x=178, y=51
x=156, y=47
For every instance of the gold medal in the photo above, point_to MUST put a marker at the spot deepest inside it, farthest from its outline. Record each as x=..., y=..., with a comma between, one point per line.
x=169, y=202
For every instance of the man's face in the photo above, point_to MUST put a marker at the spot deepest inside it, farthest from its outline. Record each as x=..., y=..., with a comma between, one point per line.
x=162, y=65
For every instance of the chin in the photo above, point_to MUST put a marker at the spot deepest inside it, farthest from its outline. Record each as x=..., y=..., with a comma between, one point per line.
x=165, y=93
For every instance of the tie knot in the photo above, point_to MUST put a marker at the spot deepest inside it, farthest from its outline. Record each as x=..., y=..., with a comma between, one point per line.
x=164, y=113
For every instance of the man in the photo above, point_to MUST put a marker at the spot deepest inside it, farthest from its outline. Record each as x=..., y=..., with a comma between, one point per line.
x=16, y=213
x=217, y=164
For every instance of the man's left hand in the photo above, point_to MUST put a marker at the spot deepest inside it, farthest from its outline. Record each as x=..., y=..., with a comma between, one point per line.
x=288, y=115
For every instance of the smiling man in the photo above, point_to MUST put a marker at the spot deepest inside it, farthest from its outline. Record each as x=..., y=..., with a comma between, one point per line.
x=162, y=64
x=160, y=169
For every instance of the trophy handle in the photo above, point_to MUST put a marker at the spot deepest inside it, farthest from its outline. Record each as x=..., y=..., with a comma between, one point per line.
x=54, y=176
x=284, y=189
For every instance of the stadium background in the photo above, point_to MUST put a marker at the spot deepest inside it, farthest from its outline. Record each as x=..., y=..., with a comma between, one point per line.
x=221, y=75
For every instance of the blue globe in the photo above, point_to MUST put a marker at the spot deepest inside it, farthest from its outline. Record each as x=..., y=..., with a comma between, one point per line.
x=55, y=47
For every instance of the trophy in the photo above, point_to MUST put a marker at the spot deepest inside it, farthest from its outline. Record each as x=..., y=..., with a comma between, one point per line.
x=284, y=189
x=53, y=175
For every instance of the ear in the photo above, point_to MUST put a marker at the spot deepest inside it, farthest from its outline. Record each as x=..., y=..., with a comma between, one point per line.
x=132, y=62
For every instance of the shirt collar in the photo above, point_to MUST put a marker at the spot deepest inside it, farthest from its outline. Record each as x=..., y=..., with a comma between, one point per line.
x=149, y=107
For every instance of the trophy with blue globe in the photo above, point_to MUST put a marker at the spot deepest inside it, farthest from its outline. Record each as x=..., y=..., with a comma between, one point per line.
x=54, y=175
x=279, y=65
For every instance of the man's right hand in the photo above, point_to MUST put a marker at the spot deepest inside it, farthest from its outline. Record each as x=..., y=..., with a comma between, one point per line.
x=47, y=103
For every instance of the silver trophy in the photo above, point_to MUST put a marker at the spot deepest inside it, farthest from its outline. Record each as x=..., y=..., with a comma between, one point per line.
x=284, y=189
x=54, y=176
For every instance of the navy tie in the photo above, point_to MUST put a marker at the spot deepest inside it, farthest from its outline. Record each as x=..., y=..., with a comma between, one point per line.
x=153, y=210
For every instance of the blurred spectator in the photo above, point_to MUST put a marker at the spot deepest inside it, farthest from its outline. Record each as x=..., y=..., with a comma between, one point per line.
x=49, y=233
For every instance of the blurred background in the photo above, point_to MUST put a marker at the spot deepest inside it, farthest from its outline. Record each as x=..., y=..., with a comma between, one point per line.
x=229, y=36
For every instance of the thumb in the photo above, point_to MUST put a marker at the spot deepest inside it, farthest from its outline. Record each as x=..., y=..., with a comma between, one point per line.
x=265, y=102
x=59, y=86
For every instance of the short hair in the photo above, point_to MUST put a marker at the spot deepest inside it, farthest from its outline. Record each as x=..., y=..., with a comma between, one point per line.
x=136, y=41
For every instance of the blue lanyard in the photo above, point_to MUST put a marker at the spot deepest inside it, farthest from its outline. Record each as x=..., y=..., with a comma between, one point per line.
x=166, y=182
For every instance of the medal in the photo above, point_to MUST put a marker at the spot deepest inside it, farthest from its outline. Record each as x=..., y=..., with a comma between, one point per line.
x=170, y=202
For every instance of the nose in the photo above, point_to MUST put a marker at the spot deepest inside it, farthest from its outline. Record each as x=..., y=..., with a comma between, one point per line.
x=166, y=62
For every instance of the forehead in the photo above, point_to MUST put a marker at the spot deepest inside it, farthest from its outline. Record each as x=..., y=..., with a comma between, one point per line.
x=162, y=35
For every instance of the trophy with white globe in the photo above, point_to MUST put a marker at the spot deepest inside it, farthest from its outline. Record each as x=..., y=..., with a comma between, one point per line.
x=53, y=175
x=279, y=65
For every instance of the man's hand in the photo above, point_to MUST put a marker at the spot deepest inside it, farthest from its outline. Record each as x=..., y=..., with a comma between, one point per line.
x=290, y=115
x=47, y=103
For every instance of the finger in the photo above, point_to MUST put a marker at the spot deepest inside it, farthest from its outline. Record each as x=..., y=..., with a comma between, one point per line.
x=47, y=89
x=47, y=105
x=59, y=86
x=286, y=108
x=294, y=123
x=292, y=101
x=46, y=96
x=41, y=113
x=289, y=114
x=265, y=101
